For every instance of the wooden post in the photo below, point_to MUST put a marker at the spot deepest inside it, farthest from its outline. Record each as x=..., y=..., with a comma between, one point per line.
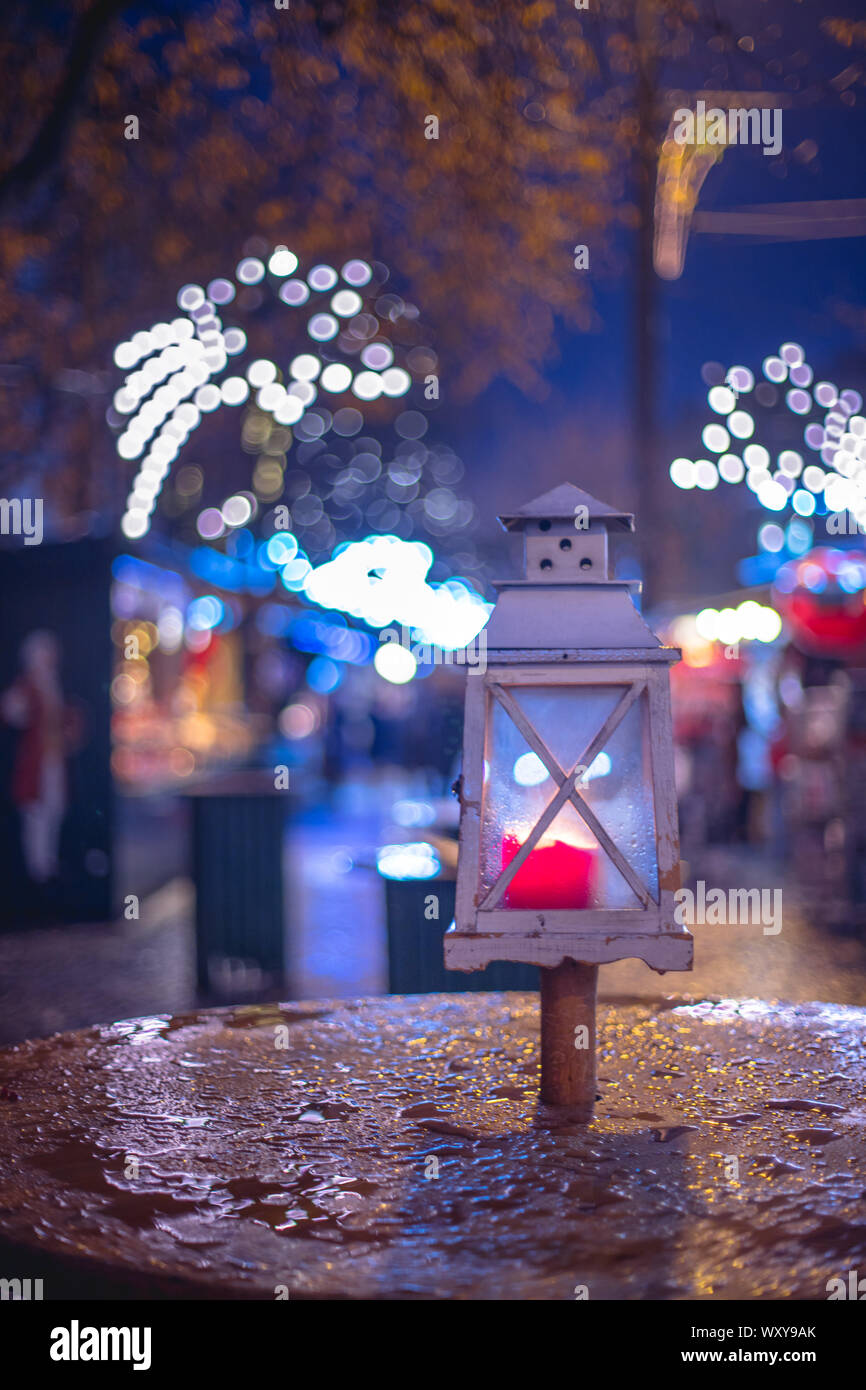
x=567, y=1003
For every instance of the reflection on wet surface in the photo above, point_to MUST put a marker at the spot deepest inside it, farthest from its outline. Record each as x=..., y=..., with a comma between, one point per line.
x=396, y=1148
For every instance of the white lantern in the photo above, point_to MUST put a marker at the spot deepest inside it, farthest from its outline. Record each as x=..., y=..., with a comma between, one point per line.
x=569, y=844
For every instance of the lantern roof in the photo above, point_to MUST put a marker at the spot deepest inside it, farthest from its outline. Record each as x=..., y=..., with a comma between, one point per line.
x=560, y=503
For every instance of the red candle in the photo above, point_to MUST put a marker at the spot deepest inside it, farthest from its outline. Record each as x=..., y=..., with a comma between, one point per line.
x=557, y=875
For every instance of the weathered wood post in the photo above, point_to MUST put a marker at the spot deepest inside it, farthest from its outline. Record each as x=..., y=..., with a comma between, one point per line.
x=569, y=846
x=568, y=997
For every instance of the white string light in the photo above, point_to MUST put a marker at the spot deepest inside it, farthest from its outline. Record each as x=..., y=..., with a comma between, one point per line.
x=171, y=369
x=839, y=439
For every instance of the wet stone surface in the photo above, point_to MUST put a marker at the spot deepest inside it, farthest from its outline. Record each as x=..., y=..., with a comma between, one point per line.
x=395, y=1148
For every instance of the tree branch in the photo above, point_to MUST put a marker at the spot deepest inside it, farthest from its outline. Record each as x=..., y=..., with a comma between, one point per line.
x=47, y=145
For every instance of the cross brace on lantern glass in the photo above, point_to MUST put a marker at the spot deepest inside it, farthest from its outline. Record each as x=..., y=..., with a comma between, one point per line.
x=590, y=736
x=567, y=783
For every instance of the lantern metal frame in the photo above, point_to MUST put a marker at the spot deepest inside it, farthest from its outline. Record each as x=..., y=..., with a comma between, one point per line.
x=484, y=930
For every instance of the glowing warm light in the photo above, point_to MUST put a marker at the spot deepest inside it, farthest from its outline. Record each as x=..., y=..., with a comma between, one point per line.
x=706, y=623
x=749, y=622
x=555, y=875
x=770, y=625
x=727, y=626
x=697, y=651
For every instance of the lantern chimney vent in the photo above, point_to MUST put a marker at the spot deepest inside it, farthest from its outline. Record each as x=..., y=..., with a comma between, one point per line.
x=565, y=535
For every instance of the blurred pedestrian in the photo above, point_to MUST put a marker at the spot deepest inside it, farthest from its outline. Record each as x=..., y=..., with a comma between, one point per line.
x=34, y=705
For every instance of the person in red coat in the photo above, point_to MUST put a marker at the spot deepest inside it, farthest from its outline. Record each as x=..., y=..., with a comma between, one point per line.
x=34, y=704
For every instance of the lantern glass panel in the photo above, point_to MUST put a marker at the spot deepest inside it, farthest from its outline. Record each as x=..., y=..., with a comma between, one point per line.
x=568, y=868
x=622, y=798
x=567, y=717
